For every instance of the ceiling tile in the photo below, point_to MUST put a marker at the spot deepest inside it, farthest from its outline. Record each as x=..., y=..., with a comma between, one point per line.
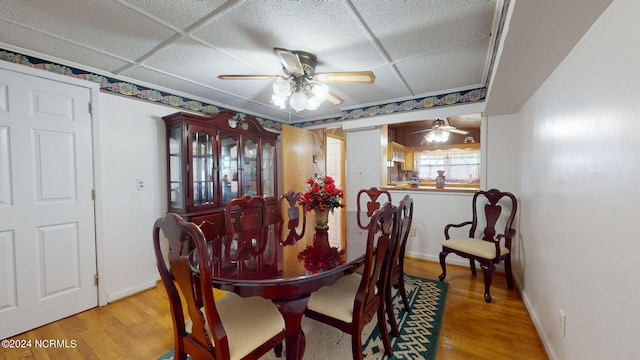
x=106, y=25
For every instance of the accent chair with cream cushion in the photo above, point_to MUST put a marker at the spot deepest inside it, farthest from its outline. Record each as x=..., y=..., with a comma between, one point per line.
x=490, y=209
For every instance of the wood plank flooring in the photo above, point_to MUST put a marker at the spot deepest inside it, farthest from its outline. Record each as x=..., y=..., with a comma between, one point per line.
x=139, y=327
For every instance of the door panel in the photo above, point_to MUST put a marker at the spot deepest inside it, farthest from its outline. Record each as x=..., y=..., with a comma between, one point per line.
x=47, y=237
x=58, y=259
x=55, y=170
x=7, y=270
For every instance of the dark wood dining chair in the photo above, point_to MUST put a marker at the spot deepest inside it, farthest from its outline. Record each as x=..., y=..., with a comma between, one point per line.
x=229, y=327
x=485, y=246
x=353, y=301
x=292, y=214
x=396, y=267
x=247, y=227
x=368, y=201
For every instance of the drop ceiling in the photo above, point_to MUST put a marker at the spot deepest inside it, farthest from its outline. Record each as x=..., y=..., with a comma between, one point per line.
x=416, y=48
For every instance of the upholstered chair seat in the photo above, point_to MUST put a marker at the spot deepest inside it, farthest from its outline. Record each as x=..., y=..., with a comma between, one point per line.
x=239, y=316
x=483, y=249
x=337, y=300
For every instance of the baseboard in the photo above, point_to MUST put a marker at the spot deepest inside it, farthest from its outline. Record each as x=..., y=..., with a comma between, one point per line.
x=131, y=291
x=534, y=318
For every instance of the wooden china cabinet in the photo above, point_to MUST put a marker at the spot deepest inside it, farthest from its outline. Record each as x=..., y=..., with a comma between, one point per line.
x=215, y=158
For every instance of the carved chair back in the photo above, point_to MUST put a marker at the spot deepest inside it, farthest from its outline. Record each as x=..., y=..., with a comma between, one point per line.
x=185, y=242
x=490, y=211
x=369, y=200
x=247, y=225
x=292, y=213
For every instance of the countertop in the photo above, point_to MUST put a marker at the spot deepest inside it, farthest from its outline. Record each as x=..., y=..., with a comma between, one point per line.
x=426, y=187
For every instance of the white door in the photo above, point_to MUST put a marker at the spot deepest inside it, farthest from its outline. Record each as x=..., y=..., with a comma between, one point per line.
x=47, y=237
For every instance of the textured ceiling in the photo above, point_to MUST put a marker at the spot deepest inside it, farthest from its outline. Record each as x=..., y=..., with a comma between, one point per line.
x=416, y=48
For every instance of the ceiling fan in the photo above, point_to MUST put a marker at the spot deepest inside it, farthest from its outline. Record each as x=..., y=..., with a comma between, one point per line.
x=301, y=85
x=440, y=130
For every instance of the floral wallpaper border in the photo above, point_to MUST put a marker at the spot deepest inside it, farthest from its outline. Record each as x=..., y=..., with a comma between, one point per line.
x=120, y=87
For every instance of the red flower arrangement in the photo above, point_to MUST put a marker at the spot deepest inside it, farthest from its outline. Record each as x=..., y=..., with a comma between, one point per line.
x=317, y=260
x=321, y=194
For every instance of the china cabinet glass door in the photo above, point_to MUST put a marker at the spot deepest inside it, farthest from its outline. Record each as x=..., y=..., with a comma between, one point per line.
x=176, y=197
x=250, y=167
x=202, y=167
x=268, y=170
x=229, y=166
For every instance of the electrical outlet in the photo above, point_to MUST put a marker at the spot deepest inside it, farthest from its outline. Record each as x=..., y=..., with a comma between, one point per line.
x=359, y=173
x=563, y=322
x=140, y=184
x=412, y=232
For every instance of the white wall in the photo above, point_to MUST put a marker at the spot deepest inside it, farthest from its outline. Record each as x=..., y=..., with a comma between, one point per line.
x=501, y=155
x=132, y=139
x=579, y=193
x=363, y=163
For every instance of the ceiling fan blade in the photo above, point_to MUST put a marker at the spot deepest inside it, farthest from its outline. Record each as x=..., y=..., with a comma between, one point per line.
x=334, y=99
x=290, y=61
x=461, y=132
x=248, y=77
x=351, y=77
x=419, y=131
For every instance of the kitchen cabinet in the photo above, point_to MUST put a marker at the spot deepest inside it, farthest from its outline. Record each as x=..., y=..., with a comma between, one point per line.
x=408, y=159
x=395, y=152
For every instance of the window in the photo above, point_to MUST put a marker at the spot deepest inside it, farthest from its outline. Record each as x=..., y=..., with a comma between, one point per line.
x=460, y=166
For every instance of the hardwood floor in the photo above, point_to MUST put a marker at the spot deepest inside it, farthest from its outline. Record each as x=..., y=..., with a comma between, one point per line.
x=139, y=327
x=473, y=329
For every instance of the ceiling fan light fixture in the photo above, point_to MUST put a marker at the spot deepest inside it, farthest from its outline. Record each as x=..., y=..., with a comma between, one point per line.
x=301, y=92
x=279, y=101
x=282, y=87
x=298, y=101
x=313, y=103
x=437, y=136
x=320, y=91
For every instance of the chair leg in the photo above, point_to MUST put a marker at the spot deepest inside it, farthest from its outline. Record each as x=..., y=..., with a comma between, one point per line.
x=507, y=270
x=488, y=270
x=472, y=265
x=356, y=346
x=390, y=314
x=278, y=350
x=178, y=352
x=403, y=292
x=382, y=326
x=443, y=255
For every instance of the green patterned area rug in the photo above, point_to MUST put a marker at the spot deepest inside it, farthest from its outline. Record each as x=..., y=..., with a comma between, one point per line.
x=419, y=329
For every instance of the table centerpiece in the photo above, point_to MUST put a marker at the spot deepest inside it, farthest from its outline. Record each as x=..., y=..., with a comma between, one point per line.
x=321, y=196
